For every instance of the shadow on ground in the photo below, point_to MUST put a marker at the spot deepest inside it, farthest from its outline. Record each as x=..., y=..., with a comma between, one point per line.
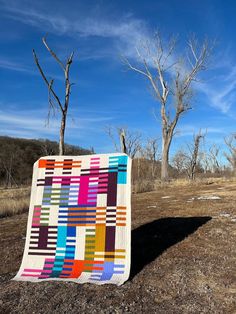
x=151, y=239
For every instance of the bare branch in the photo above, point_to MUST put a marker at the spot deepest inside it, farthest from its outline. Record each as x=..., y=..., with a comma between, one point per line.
x=49, y=84
x=53, y=54
x=134, y=68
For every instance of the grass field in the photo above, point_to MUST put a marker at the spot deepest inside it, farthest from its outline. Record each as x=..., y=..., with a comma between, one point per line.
x=183, y=259
x=14, y=201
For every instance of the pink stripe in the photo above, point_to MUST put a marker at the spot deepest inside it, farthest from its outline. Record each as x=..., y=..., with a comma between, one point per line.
x=35, y=225
x=50, y=260
x=37, y=214
x=95, y=158
x=37, y=208
x=102, y=190
x=30, y=275
x=47, y=271
x=43, y=276
x=65, y=182
x=36, y=219
x=83, y=193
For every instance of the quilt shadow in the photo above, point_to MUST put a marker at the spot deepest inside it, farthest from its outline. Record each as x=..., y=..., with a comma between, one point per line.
x=152, y=239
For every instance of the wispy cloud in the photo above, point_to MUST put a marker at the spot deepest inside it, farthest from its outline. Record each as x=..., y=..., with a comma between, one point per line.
x=14, y=66
x=124, y=34
x=125, y=31
x=32, y=124
x=190, y=130
x=221, y=92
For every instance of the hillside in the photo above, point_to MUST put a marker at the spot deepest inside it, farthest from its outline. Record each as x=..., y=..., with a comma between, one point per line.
x=17, y=156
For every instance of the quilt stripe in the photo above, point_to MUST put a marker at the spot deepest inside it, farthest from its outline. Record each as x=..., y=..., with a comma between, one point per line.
x=79, y=222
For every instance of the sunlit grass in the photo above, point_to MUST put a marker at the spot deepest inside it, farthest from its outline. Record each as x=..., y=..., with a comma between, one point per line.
x=14, y=201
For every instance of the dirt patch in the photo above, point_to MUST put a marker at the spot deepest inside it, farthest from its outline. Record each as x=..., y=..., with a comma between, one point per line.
x=183, y=260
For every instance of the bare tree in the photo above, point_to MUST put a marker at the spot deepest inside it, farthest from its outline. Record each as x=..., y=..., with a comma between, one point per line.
x=171, y=80
x=8, y=164
x=53, y=98
x=214, y=152
x=194, y=154
x=129, y=141
x=179, y=161
x=112, y=134
x=151, y=153
x=206, y=162
x=230, y=141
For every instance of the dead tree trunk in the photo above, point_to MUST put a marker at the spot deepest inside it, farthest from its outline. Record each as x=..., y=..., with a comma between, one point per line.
x=165, y=160
x=62, y=135
x=123, y=141
x=129, y=141
x=53, y=97
x=194, y=157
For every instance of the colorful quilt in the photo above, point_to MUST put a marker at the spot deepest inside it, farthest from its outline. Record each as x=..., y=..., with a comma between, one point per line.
x=79, y=224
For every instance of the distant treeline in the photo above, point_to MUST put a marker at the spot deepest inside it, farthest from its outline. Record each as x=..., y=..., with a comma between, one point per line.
x=18, y=155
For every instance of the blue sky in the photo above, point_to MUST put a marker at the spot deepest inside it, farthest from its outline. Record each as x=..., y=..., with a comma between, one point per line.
x=105, y=93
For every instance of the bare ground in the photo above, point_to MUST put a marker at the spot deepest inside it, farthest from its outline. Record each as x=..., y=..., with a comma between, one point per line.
x=183, y=260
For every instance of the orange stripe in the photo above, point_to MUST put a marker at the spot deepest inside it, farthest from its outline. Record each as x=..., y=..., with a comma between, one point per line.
x=42, y=163
x=78, y=214
x=89, y=224
x=58, y=164
x=51, y=163
x=120, y=225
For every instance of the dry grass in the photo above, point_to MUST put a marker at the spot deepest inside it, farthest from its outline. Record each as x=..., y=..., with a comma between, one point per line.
x=183, y=259
x=143, y=186
x=14, y=201
x=204, y=181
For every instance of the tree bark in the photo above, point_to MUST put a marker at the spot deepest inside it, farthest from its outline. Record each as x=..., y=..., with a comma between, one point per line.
x=122, y=141
x=166, y=140
x=62, y=136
